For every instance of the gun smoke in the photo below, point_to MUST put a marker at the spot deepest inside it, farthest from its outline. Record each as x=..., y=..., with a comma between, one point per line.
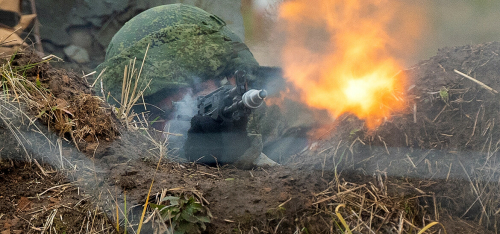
x=176, y=128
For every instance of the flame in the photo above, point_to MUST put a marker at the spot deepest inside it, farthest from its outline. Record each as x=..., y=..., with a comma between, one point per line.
x=339, y=55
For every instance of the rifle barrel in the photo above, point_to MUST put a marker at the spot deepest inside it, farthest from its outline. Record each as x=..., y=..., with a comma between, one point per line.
x=254, y=98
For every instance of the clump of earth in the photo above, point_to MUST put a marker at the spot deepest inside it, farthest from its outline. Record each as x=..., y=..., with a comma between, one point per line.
x=437, y=160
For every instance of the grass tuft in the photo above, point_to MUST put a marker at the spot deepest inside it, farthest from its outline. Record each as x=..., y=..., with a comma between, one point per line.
x=130, y=94
x=16, y=97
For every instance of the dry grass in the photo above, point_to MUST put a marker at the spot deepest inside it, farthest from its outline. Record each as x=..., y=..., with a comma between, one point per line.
x=381, y=205
x=131, y=93
x=16, y=94
x=10, y=113
x=55, y=206
x=369, y=208
x=53, y=219
x=80, y=119
x=20, y=94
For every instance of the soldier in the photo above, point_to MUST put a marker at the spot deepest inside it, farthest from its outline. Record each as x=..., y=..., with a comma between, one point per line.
x=190, y=52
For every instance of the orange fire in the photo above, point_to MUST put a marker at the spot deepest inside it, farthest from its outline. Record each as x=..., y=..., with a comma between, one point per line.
x=340, y=55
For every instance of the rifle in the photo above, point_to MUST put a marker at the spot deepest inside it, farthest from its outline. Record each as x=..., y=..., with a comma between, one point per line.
x=229, y=103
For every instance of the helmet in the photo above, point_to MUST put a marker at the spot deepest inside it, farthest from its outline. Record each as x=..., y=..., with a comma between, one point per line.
x=186, y=45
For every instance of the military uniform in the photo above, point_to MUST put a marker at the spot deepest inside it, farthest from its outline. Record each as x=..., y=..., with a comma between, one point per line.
x=187, y=46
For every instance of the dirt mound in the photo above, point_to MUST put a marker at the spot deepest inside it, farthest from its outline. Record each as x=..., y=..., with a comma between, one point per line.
x=445, y=110
x=453, y=112
x=449, y=132
x=64, y=101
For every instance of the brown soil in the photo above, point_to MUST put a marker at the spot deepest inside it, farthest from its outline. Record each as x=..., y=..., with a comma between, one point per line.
x=373, y=167
x=28, y=197
x=68, y=107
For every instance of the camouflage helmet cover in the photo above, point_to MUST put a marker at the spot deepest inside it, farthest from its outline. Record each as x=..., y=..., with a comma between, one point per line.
x=186, y=45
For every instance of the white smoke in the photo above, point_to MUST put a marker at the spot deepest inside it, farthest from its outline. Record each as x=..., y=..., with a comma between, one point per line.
x=176, y=128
